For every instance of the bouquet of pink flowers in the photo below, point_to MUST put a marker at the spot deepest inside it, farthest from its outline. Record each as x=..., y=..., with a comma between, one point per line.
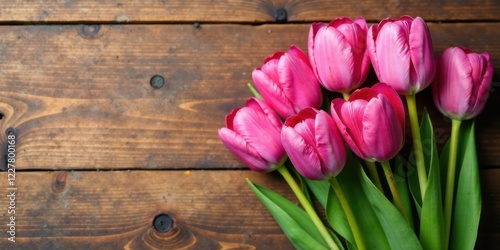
x=335, y=148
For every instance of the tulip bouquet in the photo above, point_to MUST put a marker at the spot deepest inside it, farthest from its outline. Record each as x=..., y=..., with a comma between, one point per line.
x=344, y=154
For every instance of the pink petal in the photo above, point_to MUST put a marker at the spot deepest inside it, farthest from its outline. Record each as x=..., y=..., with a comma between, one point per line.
x=298, y=80
x=310, y=45
x=394, y=56
x=394, y=99
x=382, y=131
x=329, y=145
x=349, y=117
x=258, y=104
x=362, y=24
x=272, y=92
x=454, y=82
x=302, y=155
x=422, y=56
x=254, y=127
x=237, y=145
x=334, y=60
x=371, y=47
x=483, y=87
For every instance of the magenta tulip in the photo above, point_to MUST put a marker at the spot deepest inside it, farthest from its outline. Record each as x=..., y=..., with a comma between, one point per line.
x=338, y=54
x=462, y=83
x=287, y=83
x=401, y=54
x=372, y=122
x=252, y=133
x=313, y=144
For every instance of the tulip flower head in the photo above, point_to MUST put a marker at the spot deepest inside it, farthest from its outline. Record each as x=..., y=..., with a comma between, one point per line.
x=462, y=83
x=401, y=54
x=287, y=83
x=372, y=122
x=252, y=133
x=338, y=54
x=313, y=144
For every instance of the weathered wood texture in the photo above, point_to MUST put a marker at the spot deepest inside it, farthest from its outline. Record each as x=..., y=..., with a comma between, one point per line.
x=210, y=209
x=240, y=10
x=79, y=97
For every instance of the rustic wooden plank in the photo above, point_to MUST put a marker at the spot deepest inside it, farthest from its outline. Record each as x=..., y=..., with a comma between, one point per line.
x=80, y=96
x=116, y=210
x=240, y=10
x=210, y=209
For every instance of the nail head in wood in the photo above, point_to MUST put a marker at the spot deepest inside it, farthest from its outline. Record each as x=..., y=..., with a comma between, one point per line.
x=281, y=15
x=10, y=131
x=163, y=223
x=157, y=81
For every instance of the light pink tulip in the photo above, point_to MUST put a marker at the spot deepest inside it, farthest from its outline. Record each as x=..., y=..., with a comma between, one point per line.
x=252, y=133
x=462, y=83
x=313, y=144
x=401, y=54
x=372, y=122
x=338, y=54
x=287, y=83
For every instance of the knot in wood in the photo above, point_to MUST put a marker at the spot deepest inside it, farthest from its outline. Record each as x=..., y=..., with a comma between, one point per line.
x=59, y=183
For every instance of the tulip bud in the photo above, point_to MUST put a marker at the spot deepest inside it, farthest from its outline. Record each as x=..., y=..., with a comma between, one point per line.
x=313, y=144
x=287, y=82
x=338, y=54
x=372, y=122
x=401, y=54
x=462, y=83
x=252, y=133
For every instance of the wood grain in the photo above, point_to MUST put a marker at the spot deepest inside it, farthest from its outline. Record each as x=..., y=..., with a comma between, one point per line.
x=79, y=96
x=210, y=209
x=240, y=10
x=116, y=209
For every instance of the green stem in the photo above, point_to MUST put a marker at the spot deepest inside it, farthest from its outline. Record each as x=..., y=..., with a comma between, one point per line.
x=450, y=179
x=254, y=91
x=394, y=189
x=417, y=143
x=348, y=212
x=346, y=95
x=308, y=207
x=372, y=169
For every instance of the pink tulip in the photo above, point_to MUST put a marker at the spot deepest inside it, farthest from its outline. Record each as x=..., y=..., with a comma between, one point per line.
x=372, y=122
x=313, y=144
x=462, y=83
x=401, y=53
x=338, y=54
x=287, y=82
x=252, y=133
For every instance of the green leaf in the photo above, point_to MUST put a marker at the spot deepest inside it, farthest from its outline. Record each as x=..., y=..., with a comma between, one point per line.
x=467, y=209
x=431, y=219
x=404, y=191
x=319, y=189
x=398, y=232
x=294, y=221
x=369, y=225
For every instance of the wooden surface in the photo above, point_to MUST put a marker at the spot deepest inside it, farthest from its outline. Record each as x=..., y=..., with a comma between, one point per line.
x=100, y=152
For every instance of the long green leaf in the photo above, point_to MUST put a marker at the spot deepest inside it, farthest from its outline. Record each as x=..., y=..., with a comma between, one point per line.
x=398, y=232
x=369, y=225
x=431, y=222
x=404, y=191
x=319, y=189
x=294, y=221
x=467, y=209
